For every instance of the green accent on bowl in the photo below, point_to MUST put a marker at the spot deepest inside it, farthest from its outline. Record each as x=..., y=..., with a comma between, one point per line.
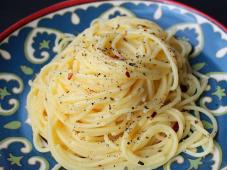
x=219, y=92
x=4, y=93
x=12, y=125
x=198, y=66
x=194, y=163
x=207, y=125
x=26, y=70
x=44, y=44
x=14, y=159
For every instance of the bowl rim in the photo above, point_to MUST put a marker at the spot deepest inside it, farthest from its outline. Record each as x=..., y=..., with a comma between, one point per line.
x=65, y=4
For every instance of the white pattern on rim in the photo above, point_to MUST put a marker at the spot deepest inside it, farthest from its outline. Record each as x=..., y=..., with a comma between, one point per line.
x=5, y=54
x=218, y=76
x=44, y=165
x=158, y=13
x=199, y=47
x=29, y=50
x=4, y=144
x=221, y=53
x=16, y=90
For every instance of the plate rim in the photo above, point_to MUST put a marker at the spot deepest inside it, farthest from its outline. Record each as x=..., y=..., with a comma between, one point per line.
x=61, y=5
x=66, y=4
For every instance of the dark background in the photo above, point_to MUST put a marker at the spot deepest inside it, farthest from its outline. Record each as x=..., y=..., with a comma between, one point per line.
x=13, y=10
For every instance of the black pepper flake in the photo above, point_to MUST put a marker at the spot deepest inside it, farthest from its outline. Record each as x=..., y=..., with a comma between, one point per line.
x=132, y=64
x=146, y=107
x=196, y=121
x=111, y=98
x=92, y=103
x=133, y=108
x=141, y=25
x=139, y=116
x=144, y=74
x=128, y=143
x=147, y=137
x=140, y=163
x=159, y=150
x=84, y=54
x=109, y=107
x=127, y=74
x=138, y=138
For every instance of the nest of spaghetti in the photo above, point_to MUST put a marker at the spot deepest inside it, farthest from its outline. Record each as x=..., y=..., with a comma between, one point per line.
x=121, y=94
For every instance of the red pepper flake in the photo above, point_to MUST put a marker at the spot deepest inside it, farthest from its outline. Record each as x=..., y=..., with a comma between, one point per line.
x=118, y=57
x=127, y=74
x=175, y=127
x=70, y=75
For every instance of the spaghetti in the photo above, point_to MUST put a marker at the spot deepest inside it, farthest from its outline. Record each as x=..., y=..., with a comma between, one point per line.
x=121, y=94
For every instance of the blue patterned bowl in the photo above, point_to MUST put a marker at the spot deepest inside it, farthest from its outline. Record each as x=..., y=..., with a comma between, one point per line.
x=29, y=44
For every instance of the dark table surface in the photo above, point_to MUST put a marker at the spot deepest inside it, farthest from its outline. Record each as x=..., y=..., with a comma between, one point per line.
x=13, y=10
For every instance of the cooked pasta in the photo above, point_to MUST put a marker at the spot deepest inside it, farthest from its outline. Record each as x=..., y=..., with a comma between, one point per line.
x=121, y=94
